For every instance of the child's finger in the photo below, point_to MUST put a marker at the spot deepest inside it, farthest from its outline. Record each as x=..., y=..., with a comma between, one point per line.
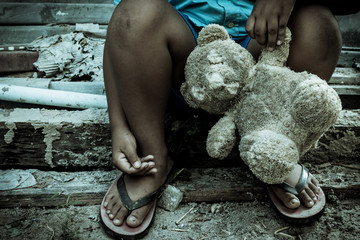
x=147, y=158
x=132, y=157
x=146, y=168
x=282, y=30
x=272, y=31
x=260, y=31
x=250, y=24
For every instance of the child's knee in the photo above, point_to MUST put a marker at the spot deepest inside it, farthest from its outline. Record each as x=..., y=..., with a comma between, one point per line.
x=319, y=27
x=140, y=16
x=316, y=42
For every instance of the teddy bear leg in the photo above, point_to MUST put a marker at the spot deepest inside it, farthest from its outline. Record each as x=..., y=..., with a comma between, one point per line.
x=315, y=105
x=273, y=158
x=270, y=156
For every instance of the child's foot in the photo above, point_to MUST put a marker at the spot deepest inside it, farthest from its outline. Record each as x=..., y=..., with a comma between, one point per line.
x=137, y=187
x=308, y=196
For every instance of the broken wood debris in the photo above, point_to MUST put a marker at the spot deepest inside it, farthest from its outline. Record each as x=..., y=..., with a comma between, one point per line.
x=279, y=232
x=178, y=221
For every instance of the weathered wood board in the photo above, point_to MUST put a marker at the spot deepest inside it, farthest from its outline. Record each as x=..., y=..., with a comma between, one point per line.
x=35, y=13
x=61, y=138
x=350, y=29
x=57, y=189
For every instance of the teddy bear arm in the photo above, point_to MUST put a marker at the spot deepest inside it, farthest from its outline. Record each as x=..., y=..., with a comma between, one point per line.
x=221, y=138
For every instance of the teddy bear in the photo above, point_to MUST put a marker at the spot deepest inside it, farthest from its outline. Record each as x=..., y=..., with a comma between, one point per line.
x=279, y=114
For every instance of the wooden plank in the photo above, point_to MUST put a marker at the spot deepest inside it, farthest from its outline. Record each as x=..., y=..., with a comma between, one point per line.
x=346, y=89
x=72, y=139
x=345, y=76
x=27, y=34
x=350, y=25
x=10, y=35
x=46, y=13
x=54, y=189
x=17, y=61
x=348, y=57
x=54, y=137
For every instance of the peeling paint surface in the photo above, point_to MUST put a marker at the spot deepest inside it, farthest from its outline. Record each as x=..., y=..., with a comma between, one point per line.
x=5, y=89
x=37, y=115
x=51, y=124
x=59, y=13
x=9, y=136
x=51, y=134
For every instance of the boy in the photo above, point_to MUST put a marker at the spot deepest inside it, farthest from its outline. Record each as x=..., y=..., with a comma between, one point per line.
x=147, y=44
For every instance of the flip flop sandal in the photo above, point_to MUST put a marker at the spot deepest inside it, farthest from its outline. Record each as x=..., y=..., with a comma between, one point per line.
x=302, y=214
x=124, y=231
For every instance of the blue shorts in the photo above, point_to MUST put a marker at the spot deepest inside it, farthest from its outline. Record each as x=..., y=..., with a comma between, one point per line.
x=243, y=41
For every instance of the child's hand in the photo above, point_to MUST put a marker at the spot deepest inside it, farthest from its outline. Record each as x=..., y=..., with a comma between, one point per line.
x=125, y=157
x=268, y=20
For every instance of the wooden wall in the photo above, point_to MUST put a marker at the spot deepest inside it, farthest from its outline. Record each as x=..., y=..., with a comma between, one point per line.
x=23, y=21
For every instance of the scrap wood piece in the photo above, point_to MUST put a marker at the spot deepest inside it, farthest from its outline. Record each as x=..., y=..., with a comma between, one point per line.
x=180, y=219
x=17, y=61
x=352, y=166
x=280, y=232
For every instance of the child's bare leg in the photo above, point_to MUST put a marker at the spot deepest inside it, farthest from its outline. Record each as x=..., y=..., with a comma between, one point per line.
x=146, y=49
x=315, y=47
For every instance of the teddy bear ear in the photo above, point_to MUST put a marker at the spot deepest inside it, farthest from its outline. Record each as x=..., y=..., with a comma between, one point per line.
x=211, y=33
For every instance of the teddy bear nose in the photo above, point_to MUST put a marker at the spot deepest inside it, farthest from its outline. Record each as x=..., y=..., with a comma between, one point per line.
x=214, y=57
x=217, y=81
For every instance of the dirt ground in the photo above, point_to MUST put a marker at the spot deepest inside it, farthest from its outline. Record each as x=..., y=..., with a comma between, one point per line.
x=224, y=220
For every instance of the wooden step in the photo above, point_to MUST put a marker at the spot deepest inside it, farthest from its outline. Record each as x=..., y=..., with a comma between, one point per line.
x=68, y=139
x=55, y=189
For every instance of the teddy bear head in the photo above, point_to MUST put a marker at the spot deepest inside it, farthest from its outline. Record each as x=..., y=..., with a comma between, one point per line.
x=216, y=71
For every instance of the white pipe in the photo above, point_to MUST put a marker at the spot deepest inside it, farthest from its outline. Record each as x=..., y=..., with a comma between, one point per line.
x=51, y=97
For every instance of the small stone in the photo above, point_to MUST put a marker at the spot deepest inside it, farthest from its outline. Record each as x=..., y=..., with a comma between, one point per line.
x=170, y=198
x=217, y=208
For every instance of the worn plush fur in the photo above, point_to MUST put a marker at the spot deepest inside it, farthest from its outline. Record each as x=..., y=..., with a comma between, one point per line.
x=279, y=113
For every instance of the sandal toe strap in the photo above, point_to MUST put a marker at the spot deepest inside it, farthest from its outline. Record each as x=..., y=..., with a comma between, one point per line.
x=125, y=199
x=300, y=184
